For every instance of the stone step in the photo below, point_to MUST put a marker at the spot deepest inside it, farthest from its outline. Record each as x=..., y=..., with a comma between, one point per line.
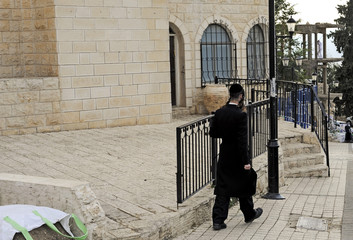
x=294, y=138
x=180, y=111
x=303, y=160
x=310, y=171
x=299, y=148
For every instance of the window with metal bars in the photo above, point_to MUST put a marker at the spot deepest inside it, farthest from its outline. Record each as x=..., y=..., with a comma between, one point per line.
x=255, y=46
x=218, y=54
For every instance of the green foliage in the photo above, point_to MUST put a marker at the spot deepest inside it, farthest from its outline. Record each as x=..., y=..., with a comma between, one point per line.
x=283, y=11
x=287, y=47
x=343, y=40
x=341, y=36
x=332, y=69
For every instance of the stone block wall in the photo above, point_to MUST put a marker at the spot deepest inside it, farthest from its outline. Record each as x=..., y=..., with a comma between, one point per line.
x=193, y=17
x=113, y=62
x=30, y=105
x=27, y=39
x=109, y=59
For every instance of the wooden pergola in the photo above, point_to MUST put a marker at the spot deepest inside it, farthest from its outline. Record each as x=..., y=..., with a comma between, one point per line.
x=317, y=61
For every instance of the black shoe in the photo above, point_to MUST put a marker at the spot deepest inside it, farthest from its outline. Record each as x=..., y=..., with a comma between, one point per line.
x=257, y=215
x=219, y=226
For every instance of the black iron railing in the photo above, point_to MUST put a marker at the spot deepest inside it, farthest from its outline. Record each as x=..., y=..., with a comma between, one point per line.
x=195, y=157
x=197, y=152
x=255, y=89
x=300, y=104
x=319, y=124
x=259, y=127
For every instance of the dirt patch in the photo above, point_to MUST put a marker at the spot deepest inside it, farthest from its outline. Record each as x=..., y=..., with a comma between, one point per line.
x=46, y=233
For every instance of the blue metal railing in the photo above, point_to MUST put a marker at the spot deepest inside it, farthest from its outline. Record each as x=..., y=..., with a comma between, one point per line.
x=197, y=152
x=300, y=104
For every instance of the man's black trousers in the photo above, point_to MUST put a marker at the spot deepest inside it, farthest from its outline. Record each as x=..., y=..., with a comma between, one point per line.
x=221, y=206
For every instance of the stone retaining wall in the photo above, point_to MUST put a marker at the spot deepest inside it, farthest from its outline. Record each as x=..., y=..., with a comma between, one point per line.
x=65, y=195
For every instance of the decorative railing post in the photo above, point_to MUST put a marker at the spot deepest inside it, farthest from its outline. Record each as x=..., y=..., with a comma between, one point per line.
x=216, y=80
x=326, y=143
x=214, y=155
x=312, y=109
x=179, y=169
x=250, y=128
x=295, y=105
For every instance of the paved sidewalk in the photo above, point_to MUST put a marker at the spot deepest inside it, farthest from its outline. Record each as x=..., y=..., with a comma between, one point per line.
x=321, y=198
x=132, y=172
x=130, y=169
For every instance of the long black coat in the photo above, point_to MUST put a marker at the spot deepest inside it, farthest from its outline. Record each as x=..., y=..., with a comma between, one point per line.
x=230, y=124
x=348, y=130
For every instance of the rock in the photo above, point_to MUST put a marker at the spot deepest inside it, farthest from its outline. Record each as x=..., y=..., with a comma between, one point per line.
x=215, y=96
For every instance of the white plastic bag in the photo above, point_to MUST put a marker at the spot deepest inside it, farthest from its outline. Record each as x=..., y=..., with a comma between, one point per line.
x=24, y=216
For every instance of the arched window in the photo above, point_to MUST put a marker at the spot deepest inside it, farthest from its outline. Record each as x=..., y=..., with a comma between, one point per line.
x=217, y=54
x=255, y=46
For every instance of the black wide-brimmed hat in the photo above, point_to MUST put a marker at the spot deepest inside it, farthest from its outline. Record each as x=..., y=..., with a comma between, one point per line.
x=235, y=89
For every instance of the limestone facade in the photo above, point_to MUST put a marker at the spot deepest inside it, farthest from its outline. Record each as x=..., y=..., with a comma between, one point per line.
x=27, y=39
x=79, y=64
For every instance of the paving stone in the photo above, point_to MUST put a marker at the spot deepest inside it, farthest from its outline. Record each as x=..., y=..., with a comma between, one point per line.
x=132, y=172
x=312, y=223
x=304, y=197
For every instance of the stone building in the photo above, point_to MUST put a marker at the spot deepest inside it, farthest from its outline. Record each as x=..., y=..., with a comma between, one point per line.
x=79, y=64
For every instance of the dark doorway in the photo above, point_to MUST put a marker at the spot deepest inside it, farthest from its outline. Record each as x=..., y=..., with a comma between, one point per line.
x=172, y=65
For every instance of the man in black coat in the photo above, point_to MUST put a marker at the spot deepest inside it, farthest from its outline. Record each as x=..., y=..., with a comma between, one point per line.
x=235, y=176
x=348, y=136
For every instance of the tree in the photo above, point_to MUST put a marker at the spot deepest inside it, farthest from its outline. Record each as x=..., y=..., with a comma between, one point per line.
x=332, y=69
x=285, y=46
x=343, y=40
x=283, y=11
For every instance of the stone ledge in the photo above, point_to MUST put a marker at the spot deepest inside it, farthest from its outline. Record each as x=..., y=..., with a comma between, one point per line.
x=65, y=195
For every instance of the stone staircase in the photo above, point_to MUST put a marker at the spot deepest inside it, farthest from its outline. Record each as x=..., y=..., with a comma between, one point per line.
x=302, y=153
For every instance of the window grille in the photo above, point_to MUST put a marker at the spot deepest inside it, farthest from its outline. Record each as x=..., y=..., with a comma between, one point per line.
x=218, y=55
x=255, y=46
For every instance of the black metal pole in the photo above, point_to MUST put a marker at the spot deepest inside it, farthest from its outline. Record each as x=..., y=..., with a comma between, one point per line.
x=179, y=169
x=329, y=104
x=312, y=109
x=327, y=150
x=214, y=160
x=273, y=173
x=250, y=130
x=295, y=104
x=253, y=95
